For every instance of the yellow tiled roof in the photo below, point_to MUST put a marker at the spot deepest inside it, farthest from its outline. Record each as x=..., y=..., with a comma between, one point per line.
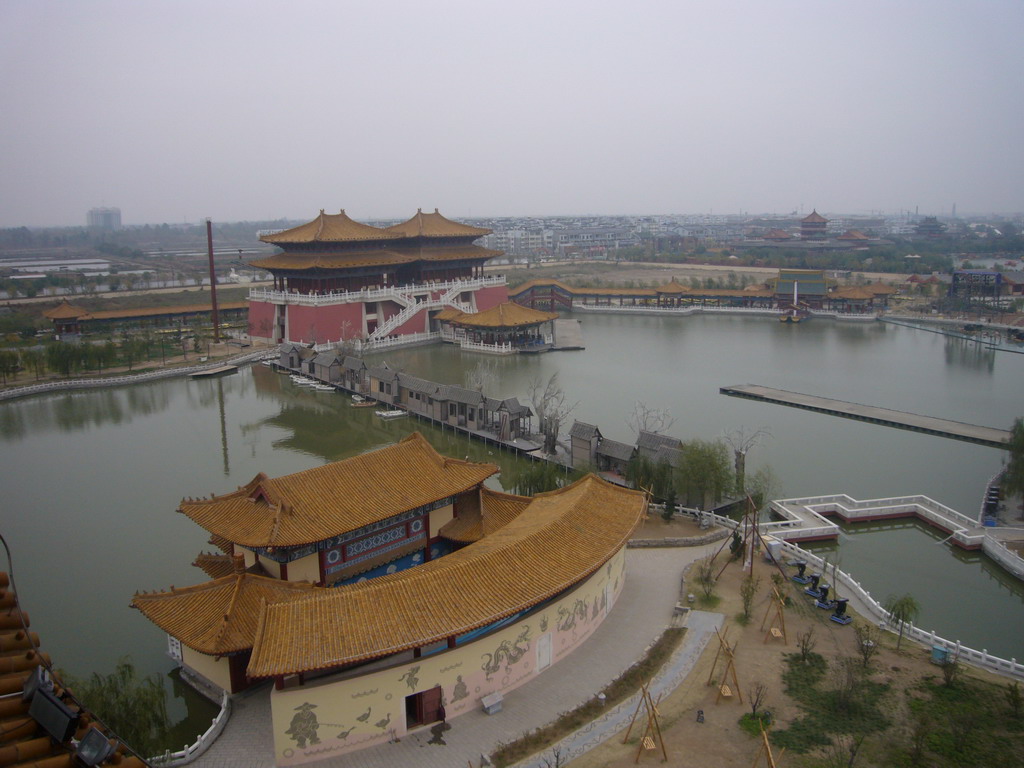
x=66, y=311
x=498, y=509
x=313, y=505
x=214, y=564
x=561, y=538
x=435, y=225
x=507, y=315
x=330, y=228
x=218, y=616
x=455, y=252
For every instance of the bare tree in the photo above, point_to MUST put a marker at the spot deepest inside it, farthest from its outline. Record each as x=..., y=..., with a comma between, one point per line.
x=482, y=376
x=805, y=642
x=706, y=575
x=755, y=696
x=868, y=636
x=552, y=409
x=647, y=419
x=741, y=441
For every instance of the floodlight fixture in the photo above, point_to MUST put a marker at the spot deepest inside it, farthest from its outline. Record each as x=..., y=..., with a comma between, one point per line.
x=94, y=748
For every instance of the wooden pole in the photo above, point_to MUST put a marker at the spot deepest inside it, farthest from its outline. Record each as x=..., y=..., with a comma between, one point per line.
x=213, y=281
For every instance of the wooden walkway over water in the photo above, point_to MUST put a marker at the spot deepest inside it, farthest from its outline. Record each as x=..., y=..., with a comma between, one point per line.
x=989, y=436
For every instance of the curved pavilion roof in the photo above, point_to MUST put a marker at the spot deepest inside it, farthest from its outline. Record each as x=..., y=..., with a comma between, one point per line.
x=316, y=504
x=506, y=315
x=814, y=218
x=435, y=225
x=330, y=228
x=66, y=311
x=561, y=538
x=219, y=616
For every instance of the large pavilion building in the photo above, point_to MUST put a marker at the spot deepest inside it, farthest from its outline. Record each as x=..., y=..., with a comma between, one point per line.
x=336, y=279
x=389, y=591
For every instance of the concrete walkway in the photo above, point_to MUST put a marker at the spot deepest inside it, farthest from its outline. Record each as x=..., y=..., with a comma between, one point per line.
x=641, y=614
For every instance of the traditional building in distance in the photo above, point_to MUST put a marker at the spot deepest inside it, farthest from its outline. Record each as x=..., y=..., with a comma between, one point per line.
x=447, y=594
x=814, y=227
x=337, y=279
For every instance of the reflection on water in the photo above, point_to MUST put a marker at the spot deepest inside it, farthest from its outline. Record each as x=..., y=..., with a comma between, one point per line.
x=970, y=354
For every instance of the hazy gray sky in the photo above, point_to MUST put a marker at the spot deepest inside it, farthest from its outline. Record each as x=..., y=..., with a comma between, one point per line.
x=173, y=111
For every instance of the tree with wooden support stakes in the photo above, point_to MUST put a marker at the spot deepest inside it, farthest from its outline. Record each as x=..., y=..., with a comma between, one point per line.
x=727, y=653
x=651, y=736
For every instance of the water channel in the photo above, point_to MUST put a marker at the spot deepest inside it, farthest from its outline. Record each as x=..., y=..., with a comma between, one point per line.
x=91, y=479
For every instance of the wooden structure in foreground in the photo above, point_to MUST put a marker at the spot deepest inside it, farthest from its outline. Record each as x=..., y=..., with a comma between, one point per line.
x=651, y=736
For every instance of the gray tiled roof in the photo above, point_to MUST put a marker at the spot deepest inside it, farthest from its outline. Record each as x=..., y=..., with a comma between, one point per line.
x=458, y=395
x=651, y=441
x=584, y=431
x=671, y=456
x=613, y=449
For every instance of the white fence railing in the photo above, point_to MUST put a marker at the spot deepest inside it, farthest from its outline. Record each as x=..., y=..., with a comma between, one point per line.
x=118, y=381
x=192, y=751
x=492, y=349
x=397, y=292
x=877, y=613
x=971, y=656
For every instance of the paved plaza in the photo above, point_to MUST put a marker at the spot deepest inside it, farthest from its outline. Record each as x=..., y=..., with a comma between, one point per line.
x=645, y=607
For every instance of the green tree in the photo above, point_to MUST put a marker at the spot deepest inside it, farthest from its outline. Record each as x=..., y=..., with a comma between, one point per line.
x=902, y=610
x=9, y=362
x=704, y=473
x=132, y=707
x=1013, y=475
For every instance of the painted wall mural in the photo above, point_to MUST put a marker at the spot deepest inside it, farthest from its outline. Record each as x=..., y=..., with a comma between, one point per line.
x=332, y=716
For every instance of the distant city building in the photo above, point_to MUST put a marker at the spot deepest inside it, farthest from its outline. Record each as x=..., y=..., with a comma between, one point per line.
x=104, y=218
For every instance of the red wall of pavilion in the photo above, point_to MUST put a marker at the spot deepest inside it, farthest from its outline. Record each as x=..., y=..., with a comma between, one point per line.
x=324, y=324
x=491, y=296
x=261, y=320
x=417, y=324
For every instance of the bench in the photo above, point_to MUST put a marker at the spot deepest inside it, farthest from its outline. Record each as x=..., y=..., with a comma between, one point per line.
x=492, y=702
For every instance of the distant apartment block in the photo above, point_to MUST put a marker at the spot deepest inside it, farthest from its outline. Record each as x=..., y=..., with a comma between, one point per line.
x=104, y=218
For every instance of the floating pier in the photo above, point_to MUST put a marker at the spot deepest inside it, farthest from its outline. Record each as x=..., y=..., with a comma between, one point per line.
x=989, y=436
x=222, y=370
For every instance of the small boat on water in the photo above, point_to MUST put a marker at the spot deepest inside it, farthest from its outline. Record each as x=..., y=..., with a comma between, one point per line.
x=302, y=381
x=394, y=414
x=323, y=388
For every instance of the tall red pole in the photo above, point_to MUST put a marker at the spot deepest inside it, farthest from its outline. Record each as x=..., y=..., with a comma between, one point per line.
x=213, y=281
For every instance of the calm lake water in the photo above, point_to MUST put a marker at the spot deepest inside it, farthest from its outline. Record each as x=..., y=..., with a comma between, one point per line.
x=91, y=480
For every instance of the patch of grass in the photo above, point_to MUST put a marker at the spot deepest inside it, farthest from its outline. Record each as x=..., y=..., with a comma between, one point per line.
x=843, y=702
x=708, y=601
x=618, y=691
x=967, y=724
x=752, y=724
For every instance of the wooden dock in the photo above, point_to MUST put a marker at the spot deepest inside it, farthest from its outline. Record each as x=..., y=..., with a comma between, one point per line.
x=218, y=371
x=989, y=436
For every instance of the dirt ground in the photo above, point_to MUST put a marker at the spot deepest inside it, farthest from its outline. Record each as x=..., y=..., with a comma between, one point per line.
x=719, y=741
